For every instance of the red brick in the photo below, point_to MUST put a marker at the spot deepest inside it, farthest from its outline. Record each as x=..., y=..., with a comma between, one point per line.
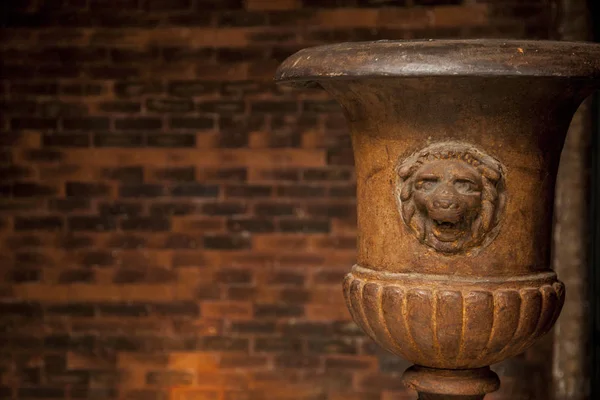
x=297, y=361
x=229, y=309
x=273, y=4
x=193, y=394
x=223, y=380
x=453, y=16
x=274, y=243
x=234, y=361
x=349, y=17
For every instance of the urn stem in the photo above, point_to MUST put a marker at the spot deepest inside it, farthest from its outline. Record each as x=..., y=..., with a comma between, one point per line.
x=445, y=384
x=426, y=396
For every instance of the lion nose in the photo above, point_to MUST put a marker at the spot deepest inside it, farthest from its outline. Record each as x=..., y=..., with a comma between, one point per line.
x=444, y=203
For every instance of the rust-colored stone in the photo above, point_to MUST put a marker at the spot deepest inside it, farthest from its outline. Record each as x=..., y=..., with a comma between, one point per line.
x=456, y=145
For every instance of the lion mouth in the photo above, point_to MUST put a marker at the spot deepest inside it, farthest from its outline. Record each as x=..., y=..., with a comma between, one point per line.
x=447, y=231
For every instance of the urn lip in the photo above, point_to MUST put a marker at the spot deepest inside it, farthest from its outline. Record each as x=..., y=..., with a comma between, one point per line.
x=423, y=58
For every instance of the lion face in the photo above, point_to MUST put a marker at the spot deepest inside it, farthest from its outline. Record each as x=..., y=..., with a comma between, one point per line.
x=448, y=196
x=451, y=196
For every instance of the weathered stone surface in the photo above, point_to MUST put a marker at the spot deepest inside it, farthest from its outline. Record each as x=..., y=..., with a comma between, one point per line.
x=457, y=146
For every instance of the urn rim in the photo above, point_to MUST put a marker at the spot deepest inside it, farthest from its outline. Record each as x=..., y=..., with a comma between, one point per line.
x=430, y=58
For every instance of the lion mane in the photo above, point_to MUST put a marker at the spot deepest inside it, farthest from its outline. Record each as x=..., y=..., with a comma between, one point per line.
x=492, y=196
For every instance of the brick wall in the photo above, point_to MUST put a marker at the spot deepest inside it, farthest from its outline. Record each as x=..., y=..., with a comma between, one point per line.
x=173, y=225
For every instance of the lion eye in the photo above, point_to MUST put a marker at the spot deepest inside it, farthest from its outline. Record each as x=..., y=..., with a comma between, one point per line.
x=464, y=186
x=426, y=184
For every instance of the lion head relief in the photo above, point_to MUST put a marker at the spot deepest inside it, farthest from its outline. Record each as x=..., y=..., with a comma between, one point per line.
x=451, y=195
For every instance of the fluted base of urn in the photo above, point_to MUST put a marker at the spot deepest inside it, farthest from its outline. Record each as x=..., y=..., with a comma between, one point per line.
x=453, y=322
x=443, y=384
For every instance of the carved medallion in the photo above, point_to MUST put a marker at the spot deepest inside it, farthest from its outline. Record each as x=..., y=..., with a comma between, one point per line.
x=451, y=196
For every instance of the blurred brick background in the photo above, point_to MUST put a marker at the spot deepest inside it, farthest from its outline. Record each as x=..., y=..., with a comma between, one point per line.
x=175, y=226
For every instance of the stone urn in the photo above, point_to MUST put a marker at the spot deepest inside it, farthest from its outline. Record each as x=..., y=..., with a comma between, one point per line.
x=456, y=146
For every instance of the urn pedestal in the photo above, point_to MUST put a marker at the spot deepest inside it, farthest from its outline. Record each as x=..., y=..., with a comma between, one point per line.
x=456, y=146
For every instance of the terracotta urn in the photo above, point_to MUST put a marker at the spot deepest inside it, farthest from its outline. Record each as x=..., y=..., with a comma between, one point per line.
x=456, y=146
